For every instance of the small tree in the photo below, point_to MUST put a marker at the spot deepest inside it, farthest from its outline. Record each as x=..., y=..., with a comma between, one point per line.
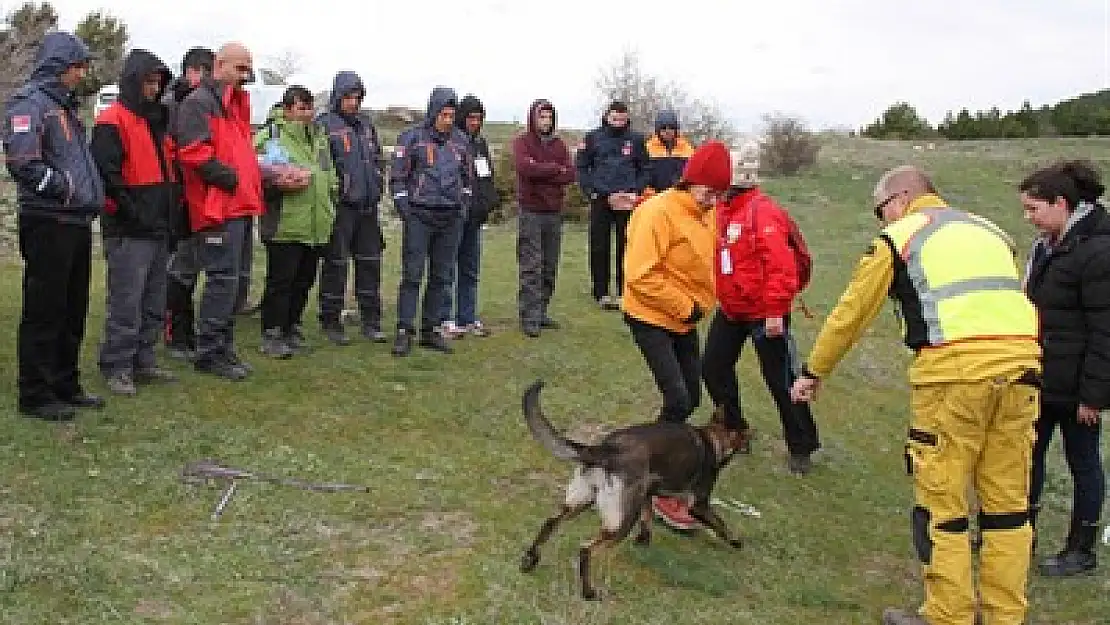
x=647, y=95
x=899, y=121
x=284, y=66
x=21, y=34
x=106, y=37
x=788, y=147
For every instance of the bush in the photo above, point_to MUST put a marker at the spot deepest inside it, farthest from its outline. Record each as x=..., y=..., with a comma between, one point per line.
x=788, y=147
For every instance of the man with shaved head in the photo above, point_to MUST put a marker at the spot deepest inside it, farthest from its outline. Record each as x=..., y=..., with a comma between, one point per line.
x=223, y=191
x=975, y=386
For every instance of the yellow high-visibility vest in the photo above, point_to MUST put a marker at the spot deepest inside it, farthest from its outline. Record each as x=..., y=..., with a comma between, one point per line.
x=956, y=279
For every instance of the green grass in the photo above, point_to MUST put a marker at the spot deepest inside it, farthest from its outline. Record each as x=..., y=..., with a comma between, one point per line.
x=96, y=526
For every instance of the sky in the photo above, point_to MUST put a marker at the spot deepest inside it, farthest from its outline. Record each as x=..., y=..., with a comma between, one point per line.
x=835, y=63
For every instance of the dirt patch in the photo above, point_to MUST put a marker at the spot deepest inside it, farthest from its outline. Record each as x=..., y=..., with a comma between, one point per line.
x=459, y=526
x=155, y=609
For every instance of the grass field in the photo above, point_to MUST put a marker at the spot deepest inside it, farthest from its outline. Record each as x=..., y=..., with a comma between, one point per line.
x=97, y=527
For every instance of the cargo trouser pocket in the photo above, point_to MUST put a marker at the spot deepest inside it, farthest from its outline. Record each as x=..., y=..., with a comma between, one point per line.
x=924, y=444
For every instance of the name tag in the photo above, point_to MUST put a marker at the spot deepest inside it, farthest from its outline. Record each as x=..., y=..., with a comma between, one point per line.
x=726, y=263
x=481, y=167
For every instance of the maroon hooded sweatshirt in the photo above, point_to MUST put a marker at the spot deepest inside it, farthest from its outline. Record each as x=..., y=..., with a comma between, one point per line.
x=543, y=166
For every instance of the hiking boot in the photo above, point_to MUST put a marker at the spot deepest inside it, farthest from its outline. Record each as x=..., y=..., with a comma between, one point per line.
x=274, y=345
x=234, y=359
x=898, y=616
x=476, y=329
x=800, y=464
x=675, y=512
x=435, y=340
x=296, y=341
x=402, y=343
x=149, y=375
x=85, y=400
x=531, y=330
x=55, y=411
x=550, y=324
x=1078, y=556
x=222, y=368
x=121, y=384
x=336, y=335
x=375, y=335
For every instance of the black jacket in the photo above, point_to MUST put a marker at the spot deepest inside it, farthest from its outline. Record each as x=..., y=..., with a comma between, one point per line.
x=1070, y=286
x=485, y=191
x=149, y=210
x=612, y=160
x=355, y=148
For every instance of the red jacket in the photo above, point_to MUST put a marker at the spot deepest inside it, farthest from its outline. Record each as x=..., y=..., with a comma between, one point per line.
x=757, y=275
x=543, y=166
x=219, y=165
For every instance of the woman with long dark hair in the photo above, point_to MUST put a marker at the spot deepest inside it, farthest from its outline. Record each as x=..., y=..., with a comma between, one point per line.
x=1068, y=279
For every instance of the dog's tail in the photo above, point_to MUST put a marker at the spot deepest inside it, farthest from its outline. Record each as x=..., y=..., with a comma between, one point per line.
x=544, y=432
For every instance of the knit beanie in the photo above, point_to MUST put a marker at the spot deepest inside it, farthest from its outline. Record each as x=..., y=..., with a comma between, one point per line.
x=710, y=165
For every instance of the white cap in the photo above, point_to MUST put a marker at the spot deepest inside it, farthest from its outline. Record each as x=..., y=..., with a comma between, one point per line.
x=745, y=168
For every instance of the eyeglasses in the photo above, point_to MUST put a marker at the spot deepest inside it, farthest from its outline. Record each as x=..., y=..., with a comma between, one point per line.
x=881, y=205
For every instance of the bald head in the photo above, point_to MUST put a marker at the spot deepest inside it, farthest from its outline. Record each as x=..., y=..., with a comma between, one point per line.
x=897, y=188
x=234, y=64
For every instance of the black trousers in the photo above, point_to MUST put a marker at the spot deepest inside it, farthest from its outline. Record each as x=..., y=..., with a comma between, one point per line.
x=1082, y=452
x=722, y=351
x=603, y=222
x=57, y=266
x=290, y=273
x=356, y=234
x=673, y=360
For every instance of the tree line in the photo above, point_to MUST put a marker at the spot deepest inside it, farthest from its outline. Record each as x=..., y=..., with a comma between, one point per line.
x=1082, y=116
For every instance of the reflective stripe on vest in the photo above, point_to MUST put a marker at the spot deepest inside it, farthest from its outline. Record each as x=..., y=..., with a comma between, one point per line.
x=965, y=278
x=141, y=163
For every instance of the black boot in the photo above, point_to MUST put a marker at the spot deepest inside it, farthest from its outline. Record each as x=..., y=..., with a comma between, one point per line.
x=433, y=339
x=402, y=345
x=1078, y=555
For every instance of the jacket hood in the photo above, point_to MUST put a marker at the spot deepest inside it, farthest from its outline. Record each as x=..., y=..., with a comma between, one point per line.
x=441, y=98
x=58, y=51
x=469, y=104
x=138, y=64
x=533, y=111
x=666, y=119
x=344, y=84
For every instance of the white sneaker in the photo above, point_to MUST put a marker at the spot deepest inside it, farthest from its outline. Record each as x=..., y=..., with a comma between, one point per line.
x=451, y=331
x=476, y=329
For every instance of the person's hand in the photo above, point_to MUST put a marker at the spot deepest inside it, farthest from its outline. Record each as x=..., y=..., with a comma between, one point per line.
x=804, y=390
x=774, y=326
x=1087, y=415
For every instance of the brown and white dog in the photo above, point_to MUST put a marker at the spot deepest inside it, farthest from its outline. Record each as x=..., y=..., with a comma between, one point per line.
x=622, y=472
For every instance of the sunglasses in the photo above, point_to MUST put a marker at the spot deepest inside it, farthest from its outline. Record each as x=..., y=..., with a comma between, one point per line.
x=881, y=205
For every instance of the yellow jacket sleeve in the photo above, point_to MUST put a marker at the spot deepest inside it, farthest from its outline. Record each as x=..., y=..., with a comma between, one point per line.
x=645, y=266
x=858, y=306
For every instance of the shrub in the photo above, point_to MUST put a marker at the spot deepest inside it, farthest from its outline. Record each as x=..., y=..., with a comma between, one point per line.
x=504, y=178
x=788, y=147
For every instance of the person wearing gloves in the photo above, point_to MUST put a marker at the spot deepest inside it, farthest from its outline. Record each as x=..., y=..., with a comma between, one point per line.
x=668, y=288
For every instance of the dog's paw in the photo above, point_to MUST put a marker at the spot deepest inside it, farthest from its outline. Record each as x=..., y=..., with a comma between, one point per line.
x=736, y=543
x=529, y=561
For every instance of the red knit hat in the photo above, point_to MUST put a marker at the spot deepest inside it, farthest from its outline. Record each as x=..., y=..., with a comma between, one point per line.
x=710, y=165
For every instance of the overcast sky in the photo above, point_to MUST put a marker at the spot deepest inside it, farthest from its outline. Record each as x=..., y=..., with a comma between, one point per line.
x=834, y=62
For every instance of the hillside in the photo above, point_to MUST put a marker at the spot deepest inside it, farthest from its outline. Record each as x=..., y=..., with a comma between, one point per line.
x=97, y=526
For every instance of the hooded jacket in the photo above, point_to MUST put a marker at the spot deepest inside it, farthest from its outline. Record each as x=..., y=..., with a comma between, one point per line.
x=612, y=160
x=1069, y=284
x=666, y=160
x=44, y=139
x=304, y=216
x=485, y=191
x=355, y=148
x=432, y=170
x=220, y=170
x=756, y=272
x=543, y=165
x=134, y=152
